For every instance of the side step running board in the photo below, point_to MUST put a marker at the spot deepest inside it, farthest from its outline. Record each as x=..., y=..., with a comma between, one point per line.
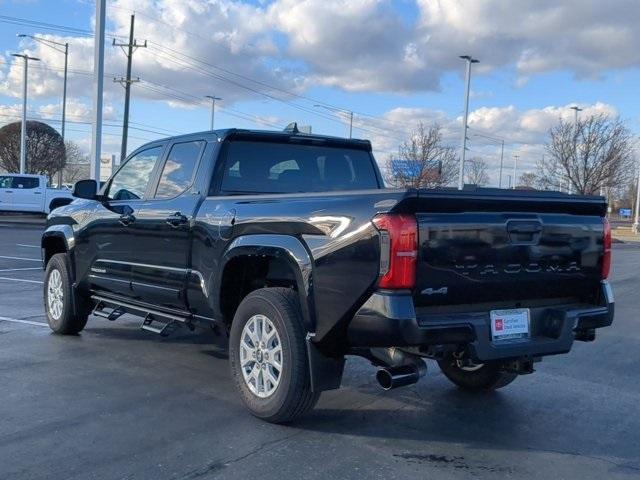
x=167, y=323
x=102, y=310
x=164, y=330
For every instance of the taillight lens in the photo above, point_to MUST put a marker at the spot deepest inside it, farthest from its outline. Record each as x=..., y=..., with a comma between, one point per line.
x=398, y=250
x=606, y=256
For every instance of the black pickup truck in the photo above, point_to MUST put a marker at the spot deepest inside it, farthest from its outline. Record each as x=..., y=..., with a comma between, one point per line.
x=290, y=244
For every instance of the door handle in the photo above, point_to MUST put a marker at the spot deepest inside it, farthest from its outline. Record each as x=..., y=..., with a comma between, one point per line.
x=126, y=219
x=176, y=220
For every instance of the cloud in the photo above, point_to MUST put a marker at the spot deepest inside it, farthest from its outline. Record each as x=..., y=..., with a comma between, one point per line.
x=354, y=45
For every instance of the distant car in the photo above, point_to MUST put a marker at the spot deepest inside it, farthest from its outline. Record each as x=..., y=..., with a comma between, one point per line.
x=29, y=193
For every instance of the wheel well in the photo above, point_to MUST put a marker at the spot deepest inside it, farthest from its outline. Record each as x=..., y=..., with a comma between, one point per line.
x=246, y=273
x=59, y=202
x=51, y=246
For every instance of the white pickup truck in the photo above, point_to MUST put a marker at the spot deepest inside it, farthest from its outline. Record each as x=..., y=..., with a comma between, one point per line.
x=29, y=193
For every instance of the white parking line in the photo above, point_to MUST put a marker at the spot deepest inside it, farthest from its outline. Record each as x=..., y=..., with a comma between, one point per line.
x=27, y=246
x=26, y=322
x=22, y=258
x=19, y=269
x=21, y=280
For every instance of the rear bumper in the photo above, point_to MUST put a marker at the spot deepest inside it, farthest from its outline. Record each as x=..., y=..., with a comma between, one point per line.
x=389, y=319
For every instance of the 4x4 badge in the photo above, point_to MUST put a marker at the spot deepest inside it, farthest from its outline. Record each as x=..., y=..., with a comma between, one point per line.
x=435, y=291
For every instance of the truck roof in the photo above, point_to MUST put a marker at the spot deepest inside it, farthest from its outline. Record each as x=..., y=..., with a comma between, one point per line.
x=274, y=135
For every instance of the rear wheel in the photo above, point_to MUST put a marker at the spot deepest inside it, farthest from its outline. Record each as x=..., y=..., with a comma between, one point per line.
x=66, y=312
x=475, y=377
x=268, y=358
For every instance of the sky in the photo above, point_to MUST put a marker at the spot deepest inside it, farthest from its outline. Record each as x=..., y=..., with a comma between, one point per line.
x=393, y=63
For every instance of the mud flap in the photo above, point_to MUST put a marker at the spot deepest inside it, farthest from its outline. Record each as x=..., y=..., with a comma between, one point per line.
x=325, y=372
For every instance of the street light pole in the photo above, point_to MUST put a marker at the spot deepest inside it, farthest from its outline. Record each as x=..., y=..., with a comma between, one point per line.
x=576, y=110
x=515, y=170
x=213, y=99
x=501, y=162
x=341, y=110
x=469, y=61
x=636, y=224
x=54, y=45
x=98, y=87
x=23, y=128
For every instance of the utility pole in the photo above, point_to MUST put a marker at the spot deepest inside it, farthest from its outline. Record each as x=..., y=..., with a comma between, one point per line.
x=98, y=86
x=23, y=128
x=501, y=162
x=213, y=99
x=463, y=153
x=131, y=47
x=515, y=170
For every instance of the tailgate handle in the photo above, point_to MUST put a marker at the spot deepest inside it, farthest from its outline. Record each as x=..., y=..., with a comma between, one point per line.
x=524, y=232
x=524, y=227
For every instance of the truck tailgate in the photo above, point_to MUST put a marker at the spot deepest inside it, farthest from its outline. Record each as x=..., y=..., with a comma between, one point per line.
x=507, y=248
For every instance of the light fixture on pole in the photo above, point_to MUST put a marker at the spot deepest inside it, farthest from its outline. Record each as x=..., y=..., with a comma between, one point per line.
x=340, y=110
x=213, y=99
x=62, y=48
x=469, y=60
x=23, y=128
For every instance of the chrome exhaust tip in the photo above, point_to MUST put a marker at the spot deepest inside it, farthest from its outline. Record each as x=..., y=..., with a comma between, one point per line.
x=400, y=376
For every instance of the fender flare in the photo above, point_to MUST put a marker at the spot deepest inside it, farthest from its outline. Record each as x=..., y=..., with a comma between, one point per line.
x=64, y=232
x=288, y=248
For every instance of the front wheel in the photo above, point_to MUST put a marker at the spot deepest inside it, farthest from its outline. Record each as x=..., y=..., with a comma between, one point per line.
x=268, y=358
x=65, y=314
x=475, y=377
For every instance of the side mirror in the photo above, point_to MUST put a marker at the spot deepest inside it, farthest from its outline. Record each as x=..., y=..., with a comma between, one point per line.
x=87, y=189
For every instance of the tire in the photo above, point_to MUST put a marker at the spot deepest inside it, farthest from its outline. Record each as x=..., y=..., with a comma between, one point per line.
x=58, y=286
x=485, y=377
x=291, y=396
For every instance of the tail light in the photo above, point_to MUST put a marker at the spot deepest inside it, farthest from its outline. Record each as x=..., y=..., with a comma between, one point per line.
x=398, y=250
x=606, y=256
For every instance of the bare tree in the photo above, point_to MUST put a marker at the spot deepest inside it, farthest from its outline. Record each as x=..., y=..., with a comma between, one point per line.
x=477, y=171
x=45, y=148
x=529, y=180
x=596, y=152
x=77, y=165
x=423, y=161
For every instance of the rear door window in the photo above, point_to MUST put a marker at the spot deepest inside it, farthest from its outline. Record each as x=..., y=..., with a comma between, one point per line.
x=26, y=183
x=264, y=167
x=6, y=182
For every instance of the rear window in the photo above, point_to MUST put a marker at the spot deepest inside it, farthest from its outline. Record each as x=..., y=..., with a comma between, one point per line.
x=262, y=167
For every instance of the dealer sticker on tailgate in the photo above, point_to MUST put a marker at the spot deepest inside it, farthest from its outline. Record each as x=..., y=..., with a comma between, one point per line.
x=509, y=324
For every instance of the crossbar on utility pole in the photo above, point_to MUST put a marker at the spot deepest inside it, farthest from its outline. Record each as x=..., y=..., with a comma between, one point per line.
x=98, y=86
x=132, y=46
x=465, y=119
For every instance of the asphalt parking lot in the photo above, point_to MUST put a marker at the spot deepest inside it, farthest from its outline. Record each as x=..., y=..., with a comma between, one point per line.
x=116, y=402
